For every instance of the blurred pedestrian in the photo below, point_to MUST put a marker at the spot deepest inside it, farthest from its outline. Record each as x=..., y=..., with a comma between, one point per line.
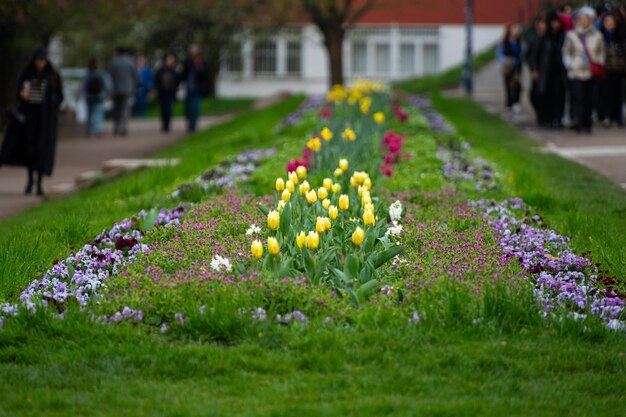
x=124, y=78
x=610, y=104
x=509, y=54
x=194, y=75
x=31, y=138
x=553, y=77
x=144, y=88
x=565, y=15
x=583, y=56
x=534, y=53
x=166, y=83
x=94, y=89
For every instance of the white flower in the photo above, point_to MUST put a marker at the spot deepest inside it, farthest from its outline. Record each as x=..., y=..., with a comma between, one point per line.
x=395, y=211
x=253, y=229
x=394, y=230
x=616, y=324
x=219, y=263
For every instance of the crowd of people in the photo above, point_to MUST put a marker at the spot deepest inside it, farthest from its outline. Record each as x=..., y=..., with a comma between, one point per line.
x=131, y=82
x=577, y=64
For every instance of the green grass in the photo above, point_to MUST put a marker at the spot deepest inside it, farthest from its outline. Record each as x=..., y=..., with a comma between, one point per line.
x=208, y=107
x=574, y=200
x=448, y=79
x=30, y=241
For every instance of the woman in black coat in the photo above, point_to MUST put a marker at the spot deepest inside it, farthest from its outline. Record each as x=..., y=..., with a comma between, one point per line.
x=31, y=142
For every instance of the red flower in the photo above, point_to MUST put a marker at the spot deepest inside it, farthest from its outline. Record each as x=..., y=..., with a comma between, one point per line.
x=399, y=113
x=386, y=170
x=326, y=113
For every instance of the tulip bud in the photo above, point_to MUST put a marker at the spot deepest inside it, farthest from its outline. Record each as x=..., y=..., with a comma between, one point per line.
x=358, y=236
x=348, y=134
x=369, y=207
x=273, y=219
x=367, y=183
x=379, y=117
x=338, y=172
x=286, y=195
x=293, y=176
x=326, y=203
x=359, y=190
x=343, y=164
x=289, y=185
x=327, y=224
x=327, y=183
x=311, y=196
x=353, y=182
x=272, y=246
x=312, y=240
x=304, y=187
x=301, y=172
x=326, y=134
x=344, y=202
x=368, y=218
x=280, y=184
x=300, y=239
x=319, y=225
x=333, y=212
x=257, y=249
x=322, y=193
x=336, y=188
x=281, y=206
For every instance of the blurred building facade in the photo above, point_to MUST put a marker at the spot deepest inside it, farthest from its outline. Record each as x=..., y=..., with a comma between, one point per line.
x=393, y=41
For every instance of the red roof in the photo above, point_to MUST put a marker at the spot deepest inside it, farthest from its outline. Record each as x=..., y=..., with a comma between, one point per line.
x=450, y=11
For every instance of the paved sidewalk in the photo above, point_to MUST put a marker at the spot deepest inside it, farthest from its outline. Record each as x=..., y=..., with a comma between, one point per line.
x=603, y=151
x=77, y=154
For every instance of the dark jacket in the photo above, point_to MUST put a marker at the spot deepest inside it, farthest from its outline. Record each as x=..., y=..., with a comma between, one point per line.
x=195, y=74
x=546, y=58
x=166, y=81
x=33, y=143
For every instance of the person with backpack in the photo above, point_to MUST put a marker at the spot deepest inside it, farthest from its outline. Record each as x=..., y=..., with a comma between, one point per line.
x=583, y=57
x=166, y=84
x=94, y=90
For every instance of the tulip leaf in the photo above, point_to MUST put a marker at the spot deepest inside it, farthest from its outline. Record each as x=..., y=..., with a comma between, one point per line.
x=148, y=221
x=351, y=266
x=341, y=275
x=379, y=259
x=240, y=268
x=263, y=209
x=367, y=289
x=354, y=297
x=285, y=220
x=309, y=264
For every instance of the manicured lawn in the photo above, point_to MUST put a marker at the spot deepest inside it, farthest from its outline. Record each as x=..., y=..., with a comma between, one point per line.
x=208, y=107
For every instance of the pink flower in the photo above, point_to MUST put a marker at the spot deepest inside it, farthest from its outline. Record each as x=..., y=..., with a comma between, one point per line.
x=399, y=113
x=326, y=113
x=385, y=169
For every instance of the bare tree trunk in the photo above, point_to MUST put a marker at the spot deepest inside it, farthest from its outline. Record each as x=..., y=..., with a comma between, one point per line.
x=333, y=39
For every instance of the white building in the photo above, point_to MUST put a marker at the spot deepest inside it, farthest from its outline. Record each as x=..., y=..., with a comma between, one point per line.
x=392, y=42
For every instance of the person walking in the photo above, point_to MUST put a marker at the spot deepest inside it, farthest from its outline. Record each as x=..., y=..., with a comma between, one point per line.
x=94, y=90
x=534, y=54
x=583, y=57
x=124, y=78
x=509, y=54
x=166, y=83
x=610, y=104
x=553, y=78
x=194, y=75
x=30, y=140
x=144, y=88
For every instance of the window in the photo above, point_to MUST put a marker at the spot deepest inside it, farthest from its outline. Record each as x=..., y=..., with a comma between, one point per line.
x=264, y=57
x=294, y=58
x=407, y=58
x=233, y=61
x=359, y=58
x=431, y=59
x=382, y=55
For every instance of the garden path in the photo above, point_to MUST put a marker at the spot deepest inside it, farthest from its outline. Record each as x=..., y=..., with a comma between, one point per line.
x=77, y=154
x=603, y=151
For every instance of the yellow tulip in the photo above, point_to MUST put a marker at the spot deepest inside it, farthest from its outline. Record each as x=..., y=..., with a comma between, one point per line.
x=273, y=219
x=368, y=218
x=300, y=239
x=325, y=203
x=272, y=246
x=333, y=212
x=301, y=172
x=353, y=182
x=257, y=249
x=319, y=225
x=368, y=207
x=281, y=206
x=379, y=117
x=359, y=190
x=326, y=134
x=312, y=240
x=367, y=183
x=293, y=176
x=280, y=184
x=327, y=183
x=358, y=236
x=343, y=164
x=311, y=196
x=344, y=202
x=336, y=188
x=304, y=187
x=338, y=172
x=348, y=134
x=322, y=193
x=285, y=196
x=327, y=224
x=289, y=186
x=314, y=144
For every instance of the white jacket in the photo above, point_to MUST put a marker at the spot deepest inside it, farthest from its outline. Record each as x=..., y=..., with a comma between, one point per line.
x=574, y=56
